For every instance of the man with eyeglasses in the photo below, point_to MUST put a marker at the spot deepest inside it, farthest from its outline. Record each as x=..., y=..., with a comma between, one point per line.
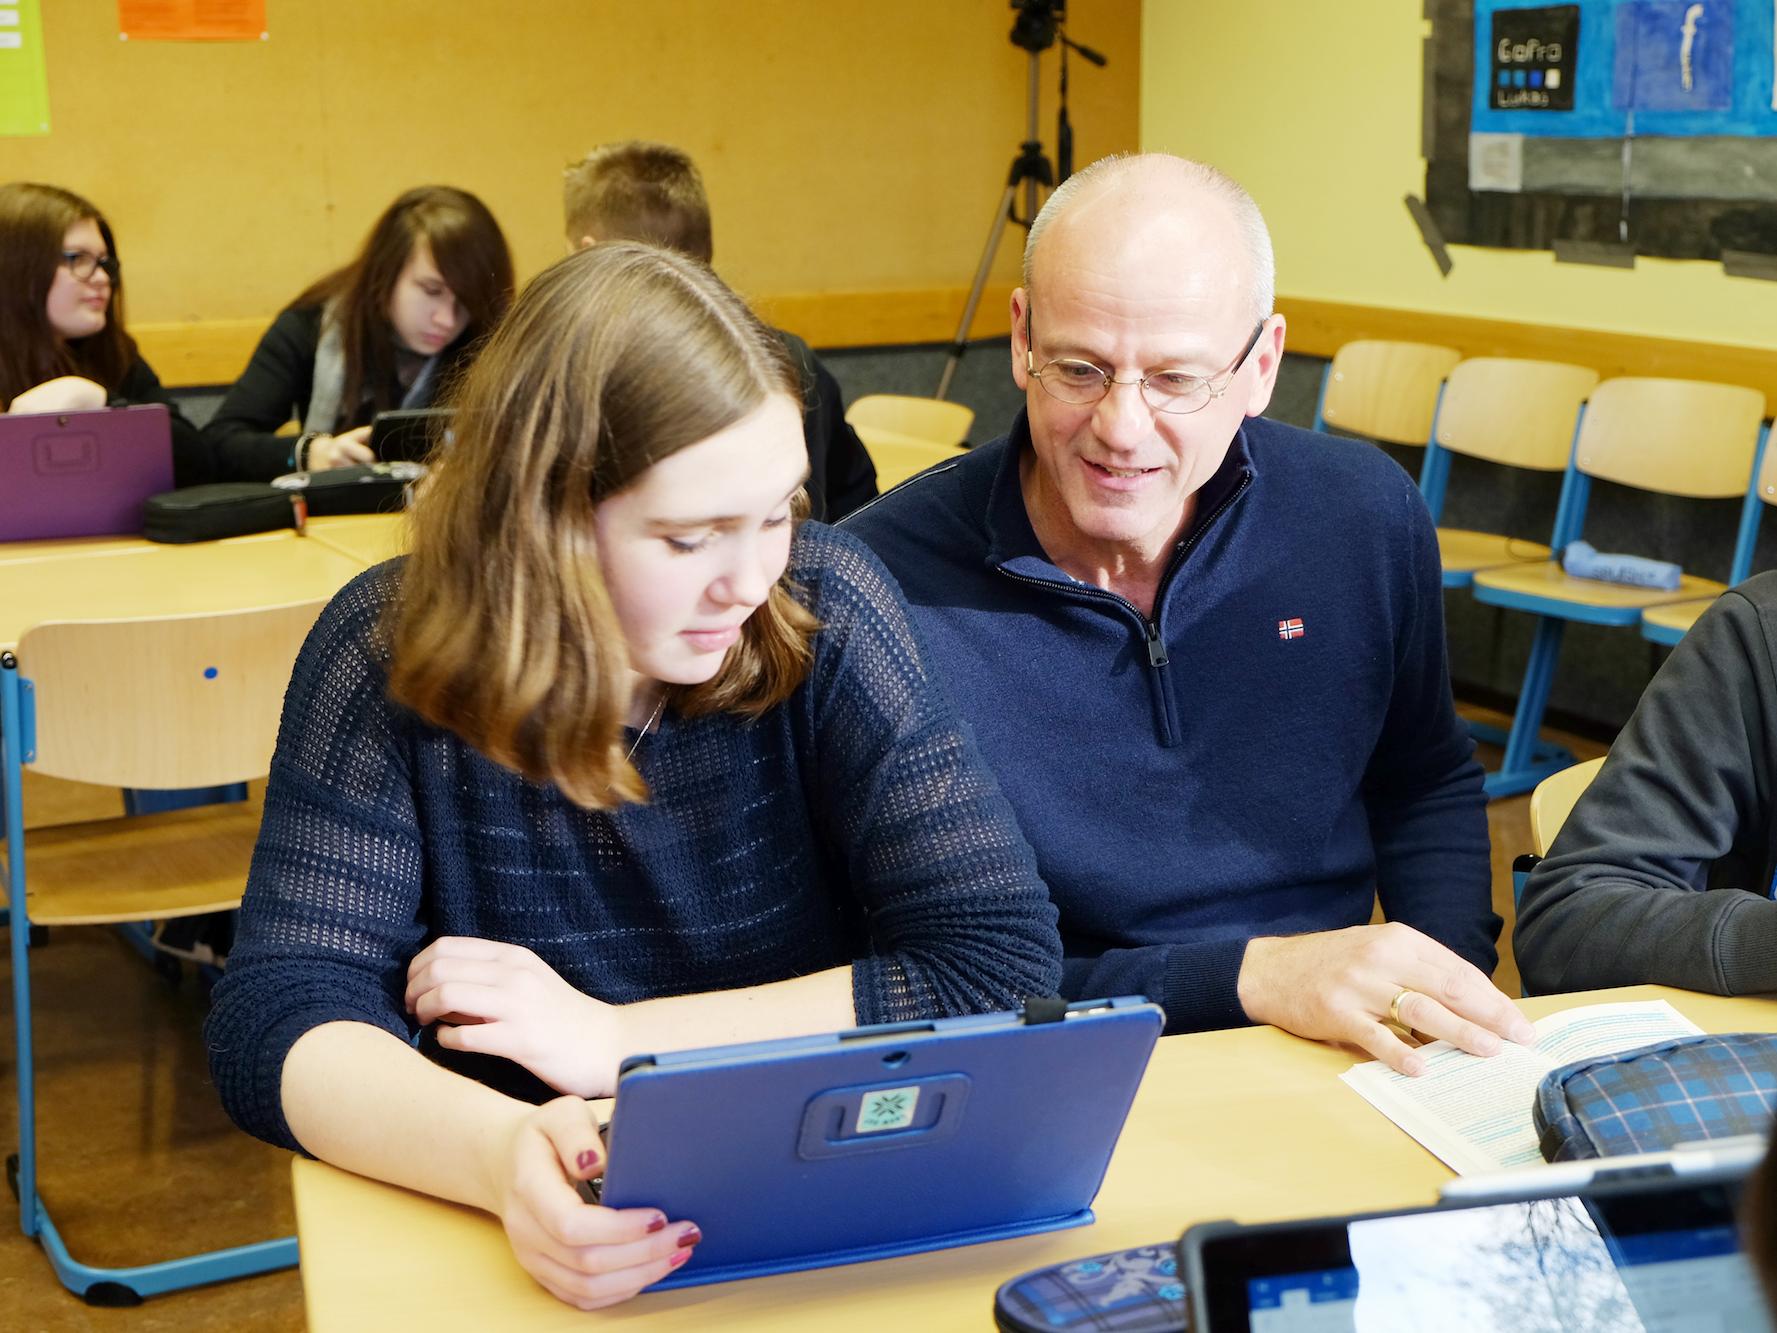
x=1204, y=651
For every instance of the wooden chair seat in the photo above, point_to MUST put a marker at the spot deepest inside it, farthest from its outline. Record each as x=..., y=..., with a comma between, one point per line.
x=1670, y=623
x=1546, y=589
x=152, y=867
x=1463, y=551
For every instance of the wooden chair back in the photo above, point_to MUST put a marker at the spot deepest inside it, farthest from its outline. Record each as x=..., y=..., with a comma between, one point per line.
x=1519, y=413
x=1553, y=800
x=900, y=415
x=179, y=701
x=1677, y=437
x=898, y=457
x=1386, y=390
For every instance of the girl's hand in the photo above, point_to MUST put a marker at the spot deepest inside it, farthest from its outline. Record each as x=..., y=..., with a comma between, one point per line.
x=579, y=1252
x=68, y=393
x=347, y=450
x=501, y=999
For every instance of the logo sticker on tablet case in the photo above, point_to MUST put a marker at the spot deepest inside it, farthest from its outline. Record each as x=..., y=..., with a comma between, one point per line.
x=886, y=1108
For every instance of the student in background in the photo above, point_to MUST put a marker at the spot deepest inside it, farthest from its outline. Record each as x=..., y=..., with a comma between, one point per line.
x=63, y=345
x=652, y=192
x=384, y=332
x=617, y=761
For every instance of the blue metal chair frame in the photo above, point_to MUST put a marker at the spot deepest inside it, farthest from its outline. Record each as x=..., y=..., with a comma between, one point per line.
x=97, y=1286
x=1751, y=512
x=1434, y=482
x=1521, y=768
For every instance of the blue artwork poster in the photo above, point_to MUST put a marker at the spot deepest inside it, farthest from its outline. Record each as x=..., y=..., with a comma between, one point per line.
x=1604, y=69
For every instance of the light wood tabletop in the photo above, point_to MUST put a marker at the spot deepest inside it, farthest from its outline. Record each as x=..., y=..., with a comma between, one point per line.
x=368, y=538
x=108, y=578
x=1249, y=1123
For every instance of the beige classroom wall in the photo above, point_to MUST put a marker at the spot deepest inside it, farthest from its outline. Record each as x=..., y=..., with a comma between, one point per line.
x=853, y=150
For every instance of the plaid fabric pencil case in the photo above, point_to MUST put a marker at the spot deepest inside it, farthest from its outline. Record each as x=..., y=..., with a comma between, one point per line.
x=1653, y=1098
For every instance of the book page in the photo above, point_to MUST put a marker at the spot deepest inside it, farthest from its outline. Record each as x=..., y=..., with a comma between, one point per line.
x=1474, y=1113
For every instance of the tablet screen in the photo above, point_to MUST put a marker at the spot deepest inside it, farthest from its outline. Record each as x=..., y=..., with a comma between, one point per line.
x=1665, y=1262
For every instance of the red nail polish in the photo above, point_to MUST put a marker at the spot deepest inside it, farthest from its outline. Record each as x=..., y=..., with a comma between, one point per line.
x=689, y=1237
x=657, y=1223
x=587, y=1160
x=677, y=1259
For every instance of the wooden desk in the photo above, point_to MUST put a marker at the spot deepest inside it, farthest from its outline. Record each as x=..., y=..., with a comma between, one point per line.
x=368, y=538
x=116, y=577
x=1248, y=1123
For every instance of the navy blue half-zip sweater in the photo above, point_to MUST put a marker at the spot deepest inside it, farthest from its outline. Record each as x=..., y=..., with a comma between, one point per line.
x=1267, y=755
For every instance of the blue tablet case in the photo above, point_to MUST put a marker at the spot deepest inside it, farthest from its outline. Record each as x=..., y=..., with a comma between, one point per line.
x=881, y=1141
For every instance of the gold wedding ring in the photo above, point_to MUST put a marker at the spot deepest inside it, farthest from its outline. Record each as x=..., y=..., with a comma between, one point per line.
x=1394, y=1010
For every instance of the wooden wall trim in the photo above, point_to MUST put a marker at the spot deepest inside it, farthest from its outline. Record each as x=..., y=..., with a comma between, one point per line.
x=1320, y=328
x=215, y=351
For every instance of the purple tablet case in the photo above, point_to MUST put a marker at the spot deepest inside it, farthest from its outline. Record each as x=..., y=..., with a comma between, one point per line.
x=82, y=474
x=881, y=1141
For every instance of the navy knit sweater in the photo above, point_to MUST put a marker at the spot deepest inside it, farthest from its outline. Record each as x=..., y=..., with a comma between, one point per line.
x=1274, y=750
x=854, y=824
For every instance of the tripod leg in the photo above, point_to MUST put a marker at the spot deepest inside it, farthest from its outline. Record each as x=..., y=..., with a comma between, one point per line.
x=961, y=343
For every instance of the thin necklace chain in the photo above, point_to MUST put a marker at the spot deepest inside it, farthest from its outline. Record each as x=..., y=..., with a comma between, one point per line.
x=646, y=726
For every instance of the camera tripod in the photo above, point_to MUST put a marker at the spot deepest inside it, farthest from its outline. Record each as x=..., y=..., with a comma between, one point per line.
x=1036, y=29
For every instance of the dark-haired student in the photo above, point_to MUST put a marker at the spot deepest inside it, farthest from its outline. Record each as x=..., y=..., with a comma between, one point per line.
x=63, y=344
x=386, y=331
x=619, y=760
x=653, y=192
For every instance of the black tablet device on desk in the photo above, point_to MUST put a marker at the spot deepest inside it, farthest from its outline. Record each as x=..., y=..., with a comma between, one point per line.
x=1631, y=1253
x=410, y=434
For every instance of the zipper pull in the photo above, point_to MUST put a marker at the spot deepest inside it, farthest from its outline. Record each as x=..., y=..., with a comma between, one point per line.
x=1156, y=649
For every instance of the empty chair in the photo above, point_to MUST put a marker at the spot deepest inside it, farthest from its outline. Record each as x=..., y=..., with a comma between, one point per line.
x=1672, y=437
x=900, y=418
x=1670, y=623
x=1384, y=390
x=1514, y=413
x=184, y=701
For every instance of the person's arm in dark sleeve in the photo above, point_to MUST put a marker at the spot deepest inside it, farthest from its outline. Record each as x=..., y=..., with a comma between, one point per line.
x=849, y=477
x=193, y=464
x=274, y=387
x=1427, y=809
x=1195, y=983
x=1623, y=895
x=332, y=908
x=958, y=920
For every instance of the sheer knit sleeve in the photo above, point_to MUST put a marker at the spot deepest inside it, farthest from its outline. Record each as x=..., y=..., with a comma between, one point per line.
x=331, y=912
x=959, y=921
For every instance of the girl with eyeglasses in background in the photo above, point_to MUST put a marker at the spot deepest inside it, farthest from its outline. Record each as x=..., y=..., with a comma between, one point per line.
x=384, y=332
x=63, y=345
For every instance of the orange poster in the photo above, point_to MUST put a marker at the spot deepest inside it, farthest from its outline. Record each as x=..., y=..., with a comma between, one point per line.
x=191, y=20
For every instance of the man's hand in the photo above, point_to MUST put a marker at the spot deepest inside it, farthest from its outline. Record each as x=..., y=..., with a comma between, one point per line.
x=501, y=999
x=1337, y=986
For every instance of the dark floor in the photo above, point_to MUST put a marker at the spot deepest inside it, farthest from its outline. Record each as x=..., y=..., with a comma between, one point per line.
x=138, y=1161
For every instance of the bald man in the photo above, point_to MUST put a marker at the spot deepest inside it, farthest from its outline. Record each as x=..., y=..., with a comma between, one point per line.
x=1204, y=651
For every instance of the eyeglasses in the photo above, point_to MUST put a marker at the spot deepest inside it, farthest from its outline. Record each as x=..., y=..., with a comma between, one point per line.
x=1178, y=391
x=83, y=264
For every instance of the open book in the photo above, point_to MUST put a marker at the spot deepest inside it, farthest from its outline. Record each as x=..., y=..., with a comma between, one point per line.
x=1473, y=1112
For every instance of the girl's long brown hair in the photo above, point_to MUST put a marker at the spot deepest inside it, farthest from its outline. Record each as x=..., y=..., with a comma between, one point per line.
x=609, y=361
x=471, y=254
x=33, y=220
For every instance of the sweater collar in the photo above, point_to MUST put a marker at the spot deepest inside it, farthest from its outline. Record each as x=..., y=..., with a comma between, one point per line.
x=1012, y=541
